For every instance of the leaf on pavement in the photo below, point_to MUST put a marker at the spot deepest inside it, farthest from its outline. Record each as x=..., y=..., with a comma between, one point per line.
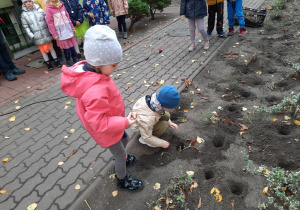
x=13, y=118
x=184, y=120
x=2, y=191
x=112, y=176
x=32, y=206
x=77, y=187
x=72, y=130
x=132, y=100
x=156, y=186
x=60, y=163
x=16, y=101
x=287, y=117
x=185, y=110
x=115, y=193
x=5, y=160
x=18, y=107
x=66, y=107
x=68, y=102
x=72, y=153
x=27, y=129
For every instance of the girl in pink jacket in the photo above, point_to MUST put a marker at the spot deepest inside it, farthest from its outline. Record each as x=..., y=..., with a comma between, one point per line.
x=99, y=103
x=62, y=29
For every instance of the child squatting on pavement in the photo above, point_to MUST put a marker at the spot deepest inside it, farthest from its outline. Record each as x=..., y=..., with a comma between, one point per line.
x=152, y=117
x=99, y=103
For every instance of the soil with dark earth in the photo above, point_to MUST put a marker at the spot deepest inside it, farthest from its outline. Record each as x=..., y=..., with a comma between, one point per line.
x=247, y=74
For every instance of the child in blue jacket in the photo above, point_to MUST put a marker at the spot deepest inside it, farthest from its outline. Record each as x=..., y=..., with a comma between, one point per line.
x=96, y=11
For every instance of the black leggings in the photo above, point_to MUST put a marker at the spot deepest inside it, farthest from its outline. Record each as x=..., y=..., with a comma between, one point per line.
x=121, y=22
x=70, y=53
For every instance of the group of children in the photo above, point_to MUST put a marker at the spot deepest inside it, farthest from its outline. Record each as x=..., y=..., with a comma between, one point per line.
x=196, y=10
x=52, y=23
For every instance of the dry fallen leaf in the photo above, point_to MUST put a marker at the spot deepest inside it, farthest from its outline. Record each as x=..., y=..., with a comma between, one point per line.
x=244, y=109
x=185, y=110
x=287, y=117
x=65, y=137
x=5, y=160
x=266, y=171
x=275, y=119
x=72, y=153
x=200, y=140
x=13, y=118
x=243, y=127
x=18, y=107
x=16, y=101
x=6, y=137
x=217, y=194
x=27, y=129
x=190, y=173
x=112, y=176
x=162, y=82
x=72, y=130
x=184, y=120
x=115, y=193
x=66, y=107
x=32, y=206
x=2, y=191
x=68, y=102
x=259, y=72
x=157, y=208
x=297, y=122
x=156, y=186
x=60, y=163
x=132, y=100
x=77, y=187
x=265, y=190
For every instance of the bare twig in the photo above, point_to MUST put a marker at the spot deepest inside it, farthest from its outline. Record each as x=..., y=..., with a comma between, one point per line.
x=267, y=147
x=200, y=203
x=87, y=204
x=232, y=204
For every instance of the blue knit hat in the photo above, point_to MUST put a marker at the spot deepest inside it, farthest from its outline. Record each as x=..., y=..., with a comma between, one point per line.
x=101, y=46
x=168, y=97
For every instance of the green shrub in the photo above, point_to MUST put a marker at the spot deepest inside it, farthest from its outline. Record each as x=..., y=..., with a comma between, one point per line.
x=155, y=5
x=137, y=10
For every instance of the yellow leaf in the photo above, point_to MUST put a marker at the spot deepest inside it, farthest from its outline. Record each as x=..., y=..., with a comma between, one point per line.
x=162, y=198
x=13, y=118
x=190, y=173
x=184, y=120
x=16, y=101
x=259, y=72
x=212, y=190
x=193, y=103
x=128, y=59
x=129, y=84
x=156, y=186
x=27, y=129
x=5, y=160
x=287, y=117
x=2, y=191
x=185, y=110
x=244, y=109
x=168, y=201
x=194, y=186
x=60, y=163
x=124, y=72
x=219, y=198
x=255, y=107
x=147, y=85
x=157, y=208
x=18, y=107
x=202, y=63
x=68, y=102
x=46, y=72
x=65, y=137
x=275, y=119
x=266, y=171
x=115, y=193
x=28, y=87
x=162, y=82
x=130, y=35
x=32, y=206
x=233, y=46
x=297, y=122
x=132, y=100
x=149, y=31
x=72, y=130
x=200, y=140
x=294, y=78
x=265, y=190
x=66, y=107
x=112, y=176
x=77, y=187
x=6, y=137
x=241, y=133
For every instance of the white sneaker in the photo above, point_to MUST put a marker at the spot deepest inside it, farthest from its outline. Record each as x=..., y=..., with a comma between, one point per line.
x=141, y=140
x=191, y=48
x=206, y=45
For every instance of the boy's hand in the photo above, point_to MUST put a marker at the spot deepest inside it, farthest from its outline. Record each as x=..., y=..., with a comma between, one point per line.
x=182, y=17
x=131, y=119
x=165, y=144
x=77, y=23
x=173, y=126
x=92, y=15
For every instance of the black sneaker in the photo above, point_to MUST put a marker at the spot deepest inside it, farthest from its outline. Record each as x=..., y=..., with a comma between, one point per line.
x=130, y=184
x=57, y=63
x=222, y=34
x=49, y=65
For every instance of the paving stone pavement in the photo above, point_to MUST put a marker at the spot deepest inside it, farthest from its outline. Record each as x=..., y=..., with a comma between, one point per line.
x=32, y=174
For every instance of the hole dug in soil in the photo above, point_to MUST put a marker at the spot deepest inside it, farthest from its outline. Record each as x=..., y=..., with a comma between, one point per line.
x=236, y=188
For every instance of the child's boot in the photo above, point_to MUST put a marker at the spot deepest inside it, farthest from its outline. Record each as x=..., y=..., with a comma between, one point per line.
x=130, y=160
x=129, y=184
x=57, y=63
x=243, y=31
x=231, y=31
x=70, y=63
x=125, y=35
x=49, y=65
x=120, y=34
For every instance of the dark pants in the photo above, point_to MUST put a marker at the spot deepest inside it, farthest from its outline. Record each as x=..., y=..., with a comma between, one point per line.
x=6, y=63
x=212, y=10
x=121, y=23
x=70, y=53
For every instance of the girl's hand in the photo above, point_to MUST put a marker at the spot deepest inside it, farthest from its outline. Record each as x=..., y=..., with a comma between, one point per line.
x=131, y=119
x=173, y=126
x=78, y=23
x=92, y=15
x=165, y=144
x=74, y=31
x=55, y=37
x=182, y=17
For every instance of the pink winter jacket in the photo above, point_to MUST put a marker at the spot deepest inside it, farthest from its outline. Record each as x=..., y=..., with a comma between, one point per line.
x=118, y=7
x=59, y=22
x=99, y=103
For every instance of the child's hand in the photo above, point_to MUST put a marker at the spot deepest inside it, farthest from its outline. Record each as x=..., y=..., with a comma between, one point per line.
x=182, y=17
x=173, y=126
x=92, y=15
x=165, y=144
x=74, y=31
x=131, y=119
x=78, y=23
x=55, y=37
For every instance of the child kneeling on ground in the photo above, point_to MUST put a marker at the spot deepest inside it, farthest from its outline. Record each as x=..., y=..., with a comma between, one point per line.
x=99, y=103
x=152, y=117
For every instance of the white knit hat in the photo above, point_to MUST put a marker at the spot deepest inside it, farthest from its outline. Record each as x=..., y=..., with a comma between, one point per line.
x=26, y=0
x=101, y=46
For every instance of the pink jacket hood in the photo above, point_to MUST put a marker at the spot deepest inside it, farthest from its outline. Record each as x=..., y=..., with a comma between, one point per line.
x=99, y=103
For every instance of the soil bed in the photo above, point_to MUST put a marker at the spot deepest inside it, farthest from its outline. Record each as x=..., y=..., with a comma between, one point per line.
x=235, y=86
